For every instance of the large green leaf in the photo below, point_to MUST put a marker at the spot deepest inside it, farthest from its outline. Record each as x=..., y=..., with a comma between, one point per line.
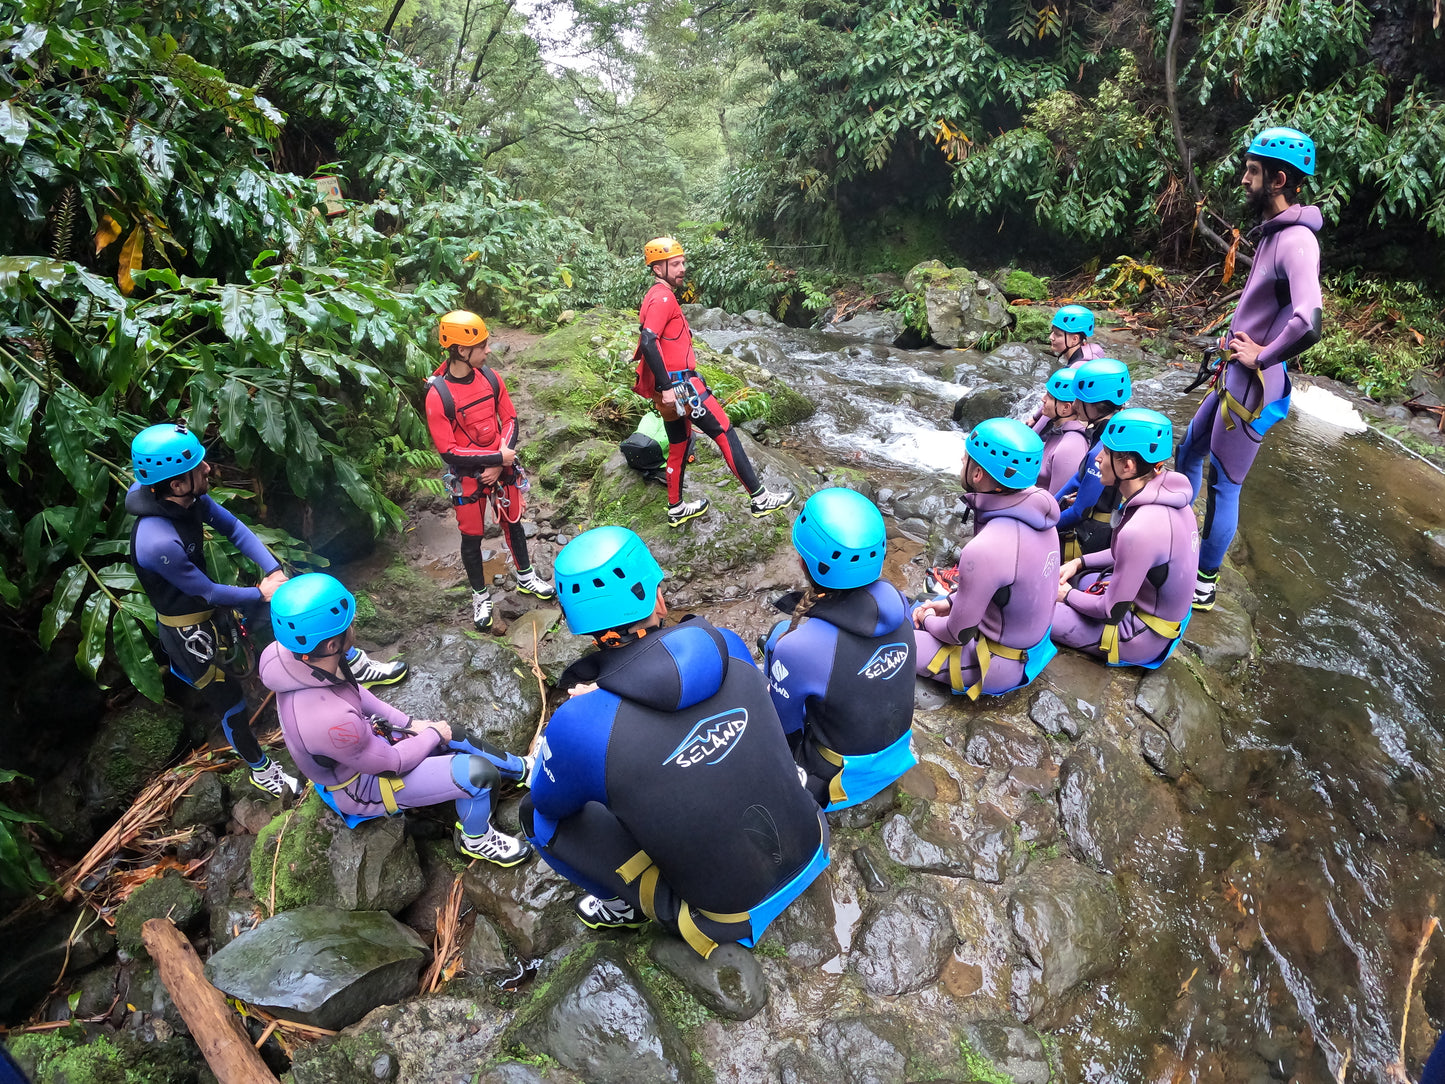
x=62, y=603
x=134, y=652
x=233, y=314
x=9, y=593
x=270, y=418
x=14, y=123
x=94, y=624
x=67, y=437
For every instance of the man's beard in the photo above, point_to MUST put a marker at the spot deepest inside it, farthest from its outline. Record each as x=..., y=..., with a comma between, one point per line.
x=1257, y=203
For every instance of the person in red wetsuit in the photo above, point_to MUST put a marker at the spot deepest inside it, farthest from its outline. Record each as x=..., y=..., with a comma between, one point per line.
x=474, y=428
x=667, y=374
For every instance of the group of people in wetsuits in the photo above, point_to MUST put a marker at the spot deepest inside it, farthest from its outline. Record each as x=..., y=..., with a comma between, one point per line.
x=681, y=782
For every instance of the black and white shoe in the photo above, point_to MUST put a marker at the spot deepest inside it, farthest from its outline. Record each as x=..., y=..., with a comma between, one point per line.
x=529, y=583
x=1205, y=589
x=495, y=847
x=767, y=502
x=369, y=672
x=482, y=611
x=613, y=914
x=680, y=513
x=274, y=780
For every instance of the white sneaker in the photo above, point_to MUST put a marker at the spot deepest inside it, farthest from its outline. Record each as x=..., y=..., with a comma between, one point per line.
x=768, y=502
x=680, y=513
x=481, y=610
x=613, y=914
x=369, y=672
x=272, y=778
x=529, y=583
x=495, y=847
x=1205, y=589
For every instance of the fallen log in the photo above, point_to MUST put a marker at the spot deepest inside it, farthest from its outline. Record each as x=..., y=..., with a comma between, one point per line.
x=215, y=1028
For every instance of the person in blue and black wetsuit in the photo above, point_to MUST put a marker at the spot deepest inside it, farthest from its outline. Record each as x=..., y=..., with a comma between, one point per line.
x=194, y=614
x=665, y=786
x=1101, y=387
x=841, y=670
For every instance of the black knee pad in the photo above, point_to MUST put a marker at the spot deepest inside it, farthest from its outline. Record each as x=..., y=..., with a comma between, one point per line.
x=483, y=773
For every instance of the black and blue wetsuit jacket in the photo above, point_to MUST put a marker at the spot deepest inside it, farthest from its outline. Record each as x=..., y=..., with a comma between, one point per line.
x=681, y=743
x=842, y=682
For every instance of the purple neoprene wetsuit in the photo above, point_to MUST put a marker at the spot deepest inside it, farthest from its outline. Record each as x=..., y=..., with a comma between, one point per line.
x=1065, y=445
x=1008, y=576
x=1085, y=352
x=1281, y=308
x=1151, y=564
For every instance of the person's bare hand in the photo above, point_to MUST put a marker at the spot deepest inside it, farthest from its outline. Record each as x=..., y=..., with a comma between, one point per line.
x=443, y=730
x=509, y=456
x=268, y=586
x=1069, y=570
x=1245, y=350
x=938, y=606
x=582, y=688
x=1064, y=590
x=490, y=475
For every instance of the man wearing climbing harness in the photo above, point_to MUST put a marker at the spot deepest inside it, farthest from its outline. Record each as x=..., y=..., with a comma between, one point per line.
x=200, y=630
x=366, y=758
x=1278, y=317
x=664, y=786
x=1130, y=603
x=841, y=669
x=667, y=374
x=1101, y=387
x=1069, y=333
x=1065, y=440
x=991, y=635
x=474, y=428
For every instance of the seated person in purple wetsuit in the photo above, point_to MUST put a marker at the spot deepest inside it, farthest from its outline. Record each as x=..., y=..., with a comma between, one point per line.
x=1065, y=440
x=1086, y=505
x=841, y=670
x=1069, y=333
x=366, y=758
x=991, y=634
x=665, y=786
x=1130, y=603
x=1278, y=317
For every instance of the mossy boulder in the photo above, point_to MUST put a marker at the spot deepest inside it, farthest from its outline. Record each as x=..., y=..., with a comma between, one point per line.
x=963, y=307
x=1031, y=324
x=170, y=897
x=57, y=1057
x=398, y=600
x=134, y=745
x=1019, y=284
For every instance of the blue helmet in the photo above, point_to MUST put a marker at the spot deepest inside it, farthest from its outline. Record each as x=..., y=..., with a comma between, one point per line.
x=606, y=579
x=840, y=536
x=1146, y=433
x=1008, y=450
x=1288, y=145
x=1075, y=319
x=309, y=610
x=164, y=451
x=1103, y=380
x=1061, y=386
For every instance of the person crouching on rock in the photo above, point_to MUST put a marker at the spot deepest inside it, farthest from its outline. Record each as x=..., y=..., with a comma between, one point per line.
x=474, y=427
x=366, y=758
x=1101, y=388
x=1131, y=602
x=991, y=635
x=1069, y=333
x=664, y=787
x=1063, y=433
x=840, y=671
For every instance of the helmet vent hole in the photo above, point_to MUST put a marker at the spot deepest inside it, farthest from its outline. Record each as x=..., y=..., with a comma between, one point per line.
x=639, y=591
x=837, y=554
x=619, y=573
x=596, y=582
x=823, y=568
x=853, y=559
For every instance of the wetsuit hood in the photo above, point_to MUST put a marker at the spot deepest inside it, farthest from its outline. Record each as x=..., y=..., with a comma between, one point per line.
x=667, y=670
x=282, y=672
x=1169, y=488
x=1033, y=507
x=1298, y=214
x=864, y=611
x=140, y=501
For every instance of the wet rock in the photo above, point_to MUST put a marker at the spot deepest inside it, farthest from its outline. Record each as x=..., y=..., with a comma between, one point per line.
x=227, y=895
x=998, y=745
x=1222, y=637
x=903, y=944
x=170, y=896
x=730, y=982
x=962, y=306
x=516, y=1072
x=866, y=813
x=370, y=867
x=980, y=846
x=437, y=1037
x=878, y=325
x=1159, y=751
x=870, y=869
x=203, y=803
x=1017, y=361
x=321, y=965
x=806, y=928
x=1014, y=1051
x=853, y=1051
x=908, y=846
x=701, y=318
x=1174, y=698
x=758, y=318
x=984, y=402
x=483, y=689
x=36, y=949
x=1434, y=542
x=596, y=1018
x=1066, y=918
x=530, y=904
x=1051, y=715
x=1081, y=683
x=484, y=953
x=1116, y=814
x=251, y=815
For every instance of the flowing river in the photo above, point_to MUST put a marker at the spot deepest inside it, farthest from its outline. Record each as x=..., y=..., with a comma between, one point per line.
x=1296, y=903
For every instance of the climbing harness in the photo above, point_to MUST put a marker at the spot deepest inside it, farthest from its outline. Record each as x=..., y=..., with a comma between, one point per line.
x=687, y=392
x=1210, y=365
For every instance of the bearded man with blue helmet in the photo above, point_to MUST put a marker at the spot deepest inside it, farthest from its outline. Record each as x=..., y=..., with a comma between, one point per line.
x=840, y=671
x=991, y=634
x=366, y=758
x=665, y=786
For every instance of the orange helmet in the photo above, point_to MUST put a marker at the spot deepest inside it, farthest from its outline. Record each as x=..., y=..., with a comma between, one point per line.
x=660, y=248
x=462, y=328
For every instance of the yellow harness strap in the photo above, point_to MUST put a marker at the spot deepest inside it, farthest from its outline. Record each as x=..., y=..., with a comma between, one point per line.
x=181, y=621
x=950, y=655
x=344, y=784
x=1109, y=642
x=1072, y=550
x=986, y=649
x=1102, y=517
x=641, y=865
x=836, y=793
x=1229, y=406
x=389, y=785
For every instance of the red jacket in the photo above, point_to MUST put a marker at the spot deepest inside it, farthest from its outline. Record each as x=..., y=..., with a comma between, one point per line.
x=662, y=316
x=484, y=422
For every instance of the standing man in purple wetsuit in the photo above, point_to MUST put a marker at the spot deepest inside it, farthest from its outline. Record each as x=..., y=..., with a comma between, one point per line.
x=1130, y=603
x=991, y=634
x=1064, y=435
x=1278, y=317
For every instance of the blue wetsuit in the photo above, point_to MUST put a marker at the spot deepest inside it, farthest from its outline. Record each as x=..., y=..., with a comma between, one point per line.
x=671, y=785
x=167, y=550
x=1093, y=501
x=842, y=682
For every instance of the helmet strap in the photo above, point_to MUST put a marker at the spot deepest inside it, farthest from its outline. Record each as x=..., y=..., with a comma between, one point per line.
x=613, y=638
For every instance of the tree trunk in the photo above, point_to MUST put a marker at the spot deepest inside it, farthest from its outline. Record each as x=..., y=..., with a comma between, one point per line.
x=216, y=1029
x=391, y=20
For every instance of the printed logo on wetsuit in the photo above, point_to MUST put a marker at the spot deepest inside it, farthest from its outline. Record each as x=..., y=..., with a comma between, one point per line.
x=1051, y=565
x=887, y=661
x=544, y=754
x=711, y=740
x=779, y=671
